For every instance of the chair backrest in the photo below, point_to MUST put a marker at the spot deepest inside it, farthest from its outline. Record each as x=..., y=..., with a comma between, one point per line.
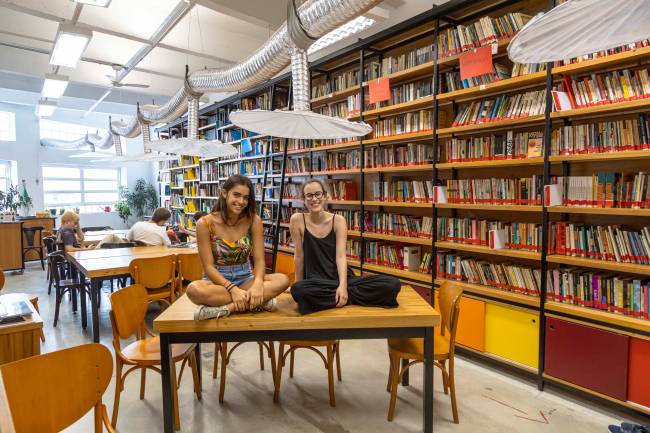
x=128, y=310
x=154, y=272
x=49, y=392
x=284, y=265
x=57, y=265
x=50, y=243
x=30, y=232
x=449, y=304
x=190, y=267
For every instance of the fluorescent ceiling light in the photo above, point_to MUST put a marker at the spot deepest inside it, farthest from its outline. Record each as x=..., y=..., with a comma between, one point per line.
x=69, y=45
x=54, y=86
x=100, y=3
x=348, y=29
x=45, y=108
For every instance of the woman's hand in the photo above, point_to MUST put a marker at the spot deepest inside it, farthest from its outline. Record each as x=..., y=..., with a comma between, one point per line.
x=240, y=298
x=256, y=295
x=341, y=296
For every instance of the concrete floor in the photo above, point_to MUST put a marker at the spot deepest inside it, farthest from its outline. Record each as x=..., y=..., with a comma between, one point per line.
x=489, y=401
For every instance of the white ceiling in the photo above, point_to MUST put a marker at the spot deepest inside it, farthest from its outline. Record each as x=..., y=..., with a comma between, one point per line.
x=209, y=33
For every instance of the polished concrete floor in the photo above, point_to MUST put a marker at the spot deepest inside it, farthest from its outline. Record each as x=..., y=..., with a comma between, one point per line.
x=489, y=400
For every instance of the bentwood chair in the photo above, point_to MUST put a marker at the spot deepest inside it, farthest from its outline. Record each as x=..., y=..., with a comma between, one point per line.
x=43, y=400
x=157, y=275
x=443, y=348
x=129, y=308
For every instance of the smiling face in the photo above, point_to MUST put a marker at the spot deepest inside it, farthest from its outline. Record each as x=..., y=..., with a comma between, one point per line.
x=237, y=199
x=314, y=197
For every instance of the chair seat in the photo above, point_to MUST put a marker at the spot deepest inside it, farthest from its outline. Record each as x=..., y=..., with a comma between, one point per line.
x=413, y=348
x=147, y=350
x=308, y=343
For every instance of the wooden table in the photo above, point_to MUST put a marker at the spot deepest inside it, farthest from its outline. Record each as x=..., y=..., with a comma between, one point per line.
x=6, y=421
x=100, y=264
x=20, y=339
x=93, y=238
x=413, y=318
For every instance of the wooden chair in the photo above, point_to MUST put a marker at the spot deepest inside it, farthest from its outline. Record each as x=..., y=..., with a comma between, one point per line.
x=129, y=308
x=284, y=264
x=50, y=247
x=2, y=279
x=62, y=285
x=157, y=275
x=189, y=269
x=443, y=346
x=44, y=400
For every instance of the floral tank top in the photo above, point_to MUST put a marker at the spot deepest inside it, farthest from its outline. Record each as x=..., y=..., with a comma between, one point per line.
x=228, y=253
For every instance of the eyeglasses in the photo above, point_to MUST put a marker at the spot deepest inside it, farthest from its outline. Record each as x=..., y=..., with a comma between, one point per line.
x=317, y=195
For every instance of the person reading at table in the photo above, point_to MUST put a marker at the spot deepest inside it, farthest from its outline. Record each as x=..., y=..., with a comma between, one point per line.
x=226, y=238
x=323, y=279
x=70, y=234
x=151, y=232
x=192, y=232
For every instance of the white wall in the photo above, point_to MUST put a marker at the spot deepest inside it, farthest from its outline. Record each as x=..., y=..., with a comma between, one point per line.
x=30, y=156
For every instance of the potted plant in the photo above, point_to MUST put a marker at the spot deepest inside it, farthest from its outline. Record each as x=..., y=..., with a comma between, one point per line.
x=25, y=201
x=10, y=203
x=122, y=206
x=142, y=199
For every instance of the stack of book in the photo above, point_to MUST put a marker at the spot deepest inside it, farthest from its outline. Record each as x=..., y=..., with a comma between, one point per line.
x=511, y=145
x=398, y=155
x=353, y=249
x=518, y=191
x=301, y=164
x=452, y=81
x=391, y=255
x=336, y=161
x=609, y=243
x=403, y=123
x=519, y=69
x=398, y=224
x=352, y=218
x=606, y=189
x=503, y=107
x=417, y=191
x=518, y=236
x=404, y=93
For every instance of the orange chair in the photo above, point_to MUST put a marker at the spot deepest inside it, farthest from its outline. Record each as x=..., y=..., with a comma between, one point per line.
x=2, y=279
x=43, y=400
x=129, y=307
x=189, y=269
x=284, y=265
x=157, y=275
x=443, y=346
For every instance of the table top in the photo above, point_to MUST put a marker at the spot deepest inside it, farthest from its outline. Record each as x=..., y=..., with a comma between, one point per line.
x=115, y=261
x=6, y=423
x=96, y=237
x=413, y=311
x=31, y=322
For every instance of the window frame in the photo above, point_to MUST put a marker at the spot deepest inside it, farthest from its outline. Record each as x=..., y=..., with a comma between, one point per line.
x=8, y=177
x=82, y=190
x=66, y=130
x=11, y=122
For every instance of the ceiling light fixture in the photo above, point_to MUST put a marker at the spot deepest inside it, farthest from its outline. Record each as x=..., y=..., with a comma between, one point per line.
x=348, y=29
x=45, y=108
x=100, y=3
x=69, y=45
x=54, y=86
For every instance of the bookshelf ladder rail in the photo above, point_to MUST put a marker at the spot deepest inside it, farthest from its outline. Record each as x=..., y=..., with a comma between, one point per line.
x=434, y=169
x=276, y=227
x=362, y=195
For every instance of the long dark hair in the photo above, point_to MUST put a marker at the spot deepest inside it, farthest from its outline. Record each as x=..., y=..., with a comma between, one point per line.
x=222, y=207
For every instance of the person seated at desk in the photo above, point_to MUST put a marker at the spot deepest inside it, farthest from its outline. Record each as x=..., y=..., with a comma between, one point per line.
x=226, y=238
x=192, y=232
x=151, y=232
x=70, y=234
x=323, y=279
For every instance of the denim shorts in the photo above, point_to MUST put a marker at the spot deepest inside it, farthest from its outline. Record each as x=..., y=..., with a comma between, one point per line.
x=237, y=274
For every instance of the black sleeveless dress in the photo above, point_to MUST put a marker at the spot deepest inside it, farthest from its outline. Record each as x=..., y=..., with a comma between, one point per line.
x=317, y=290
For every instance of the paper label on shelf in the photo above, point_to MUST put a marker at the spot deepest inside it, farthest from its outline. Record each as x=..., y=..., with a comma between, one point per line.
x=379, y=90
x=552, y=196
x=476, y=62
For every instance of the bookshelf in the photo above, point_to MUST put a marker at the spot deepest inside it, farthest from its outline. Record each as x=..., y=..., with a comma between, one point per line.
x=340, y=86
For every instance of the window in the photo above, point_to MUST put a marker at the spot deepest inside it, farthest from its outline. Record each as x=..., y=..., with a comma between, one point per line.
x=7, y=126
x=5, y=175
x=66, y=131
x=89, y=189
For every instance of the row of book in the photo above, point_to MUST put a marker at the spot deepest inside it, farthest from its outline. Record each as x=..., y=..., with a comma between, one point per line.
x=333, y=109
x=505, y=276
x=209, y=190
x=404, y=123
x=605, y=88
x=186, y=160
x=606, y=292
x=485, y=31
x=416, y=191
x=245, y=168
x=452, y=81
x=397, y=224
x=609, y=243
x=209, y=171
x=399, y=94
x=191, y=189
x=606, y=189
x=472, y=231
x=336, y=161
x=392, y=255
x=340, y=81
x=502, y=107
x=301, y=164
x=494, y=191
x=391, y=64
x=335, y=190
x=398, y=155
x=605, y=136
x=498, y=146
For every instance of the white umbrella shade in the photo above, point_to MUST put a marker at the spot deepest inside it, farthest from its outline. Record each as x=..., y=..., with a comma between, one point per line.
x=298, y=124
x=580, y=27
x=151, y=157
x=200, y=148
x=92, y=155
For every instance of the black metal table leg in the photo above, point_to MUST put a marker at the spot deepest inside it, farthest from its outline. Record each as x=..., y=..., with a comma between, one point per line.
x=427, y=396
x=405, y=376
x=197, y=355
x=82, y=299
x=165, y=367
x=94, y=295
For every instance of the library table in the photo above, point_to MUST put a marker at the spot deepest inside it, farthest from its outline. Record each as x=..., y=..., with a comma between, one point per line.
x=413, y=318
x=100, y=264
x=6, y=419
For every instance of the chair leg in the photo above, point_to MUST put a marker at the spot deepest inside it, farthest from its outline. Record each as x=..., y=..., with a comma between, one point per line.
x=35, y=304
x=337, y=351
x=390, y=372
x=177, y=421
x=261, y=350
x=224, y=364
x=216, y=359
x=50, y=278
x=452, y=388
x=195, y=376
x=143, y=380
x=278, y=373
x=40, y=255
x=57, y=303
x=445, y=379
x=291, y=358
x=118, y=390
x=330, y=373
x=394, y=381
x=273, y=360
